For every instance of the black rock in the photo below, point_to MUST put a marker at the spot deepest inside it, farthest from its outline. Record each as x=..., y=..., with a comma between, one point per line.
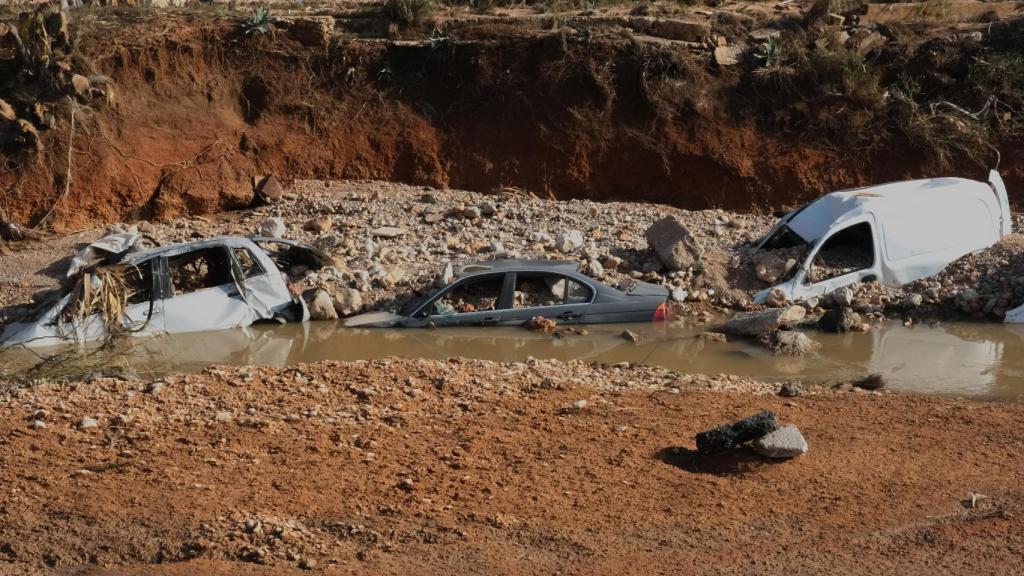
x=791, y=389
x=729, y=436
x=839, y=320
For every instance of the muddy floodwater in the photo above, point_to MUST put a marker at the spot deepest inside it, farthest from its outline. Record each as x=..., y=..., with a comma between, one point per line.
x=985, y=360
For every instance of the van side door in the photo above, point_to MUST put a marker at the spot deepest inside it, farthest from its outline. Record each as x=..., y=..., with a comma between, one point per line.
x=844, y=257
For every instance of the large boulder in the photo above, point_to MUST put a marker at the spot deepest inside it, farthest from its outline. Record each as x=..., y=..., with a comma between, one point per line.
x=347, y=301
x=673, y=244
x=764, y=321
x=321, y=307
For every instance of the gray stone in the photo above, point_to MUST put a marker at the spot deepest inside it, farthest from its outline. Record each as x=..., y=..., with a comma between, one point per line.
x=86, y=423
x=273, y=227
x=764, y=321
x=842, y=297
x=785, y=442
x=631, y=336
x=595, y=270
x=471, y=213
x=568, y=241
x=321, y=307
x=913, y=301
x=680, y=295
x=673, y=244
x=347, y=301
x=155, y=387
x=486, y=208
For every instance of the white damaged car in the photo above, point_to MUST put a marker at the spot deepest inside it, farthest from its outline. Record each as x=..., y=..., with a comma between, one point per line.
x=225, y=282
x=891, y=233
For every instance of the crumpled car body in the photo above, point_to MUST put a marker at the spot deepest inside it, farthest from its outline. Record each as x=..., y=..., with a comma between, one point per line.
x=511, y=292
x=892, y=233
x=220, y=283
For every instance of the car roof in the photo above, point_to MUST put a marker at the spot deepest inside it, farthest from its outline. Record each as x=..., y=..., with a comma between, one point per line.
x=815, y=219
x=181, y=248
x=517, y=265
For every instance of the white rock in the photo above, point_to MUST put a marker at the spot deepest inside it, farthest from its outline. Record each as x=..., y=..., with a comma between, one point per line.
x=273, y=227
x=784, y=442
x=568, y=241
x=595, y=270
x=87, y=422
x=388, y=232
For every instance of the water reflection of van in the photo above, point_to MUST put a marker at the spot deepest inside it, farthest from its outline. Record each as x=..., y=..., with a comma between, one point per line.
x=892, y=233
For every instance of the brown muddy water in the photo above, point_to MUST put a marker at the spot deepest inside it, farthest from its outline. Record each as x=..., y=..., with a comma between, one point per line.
x=981, y=360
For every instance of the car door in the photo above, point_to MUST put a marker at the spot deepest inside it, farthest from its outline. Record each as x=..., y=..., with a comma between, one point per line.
x=479, y=300
x=204, y=294
x=554, y=296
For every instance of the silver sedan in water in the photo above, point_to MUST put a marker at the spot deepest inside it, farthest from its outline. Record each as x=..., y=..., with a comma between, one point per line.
x=511, y=292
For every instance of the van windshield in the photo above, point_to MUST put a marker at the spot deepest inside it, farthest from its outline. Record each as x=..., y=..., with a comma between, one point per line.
x=784, y=237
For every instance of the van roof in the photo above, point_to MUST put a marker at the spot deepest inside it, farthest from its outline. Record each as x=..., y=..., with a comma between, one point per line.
x=815, y=219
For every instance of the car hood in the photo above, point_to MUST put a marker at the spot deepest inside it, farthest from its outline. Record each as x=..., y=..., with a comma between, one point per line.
x=374, y=319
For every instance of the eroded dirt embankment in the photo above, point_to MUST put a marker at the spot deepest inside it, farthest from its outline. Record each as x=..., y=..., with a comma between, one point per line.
x=198, y=109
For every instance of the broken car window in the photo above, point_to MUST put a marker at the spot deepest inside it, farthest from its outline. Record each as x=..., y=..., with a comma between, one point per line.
x=535, y=290
x=198, y=270
x=784, y=237
x=847, y=251
x=475, y=295
x=249, y=264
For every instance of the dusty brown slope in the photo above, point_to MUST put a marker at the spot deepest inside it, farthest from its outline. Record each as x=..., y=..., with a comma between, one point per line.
x=472, y=467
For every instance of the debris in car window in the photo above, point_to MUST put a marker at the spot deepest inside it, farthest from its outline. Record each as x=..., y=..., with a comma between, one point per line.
x=525, y=292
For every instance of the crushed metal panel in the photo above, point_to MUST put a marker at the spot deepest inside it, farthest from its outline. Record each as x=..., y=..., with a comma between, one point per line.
x=111, y=244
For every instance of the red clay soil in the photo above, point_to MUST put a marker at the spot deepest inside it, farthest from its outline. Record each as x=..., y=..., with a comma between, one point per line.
x=199, y=111
x=470, y=467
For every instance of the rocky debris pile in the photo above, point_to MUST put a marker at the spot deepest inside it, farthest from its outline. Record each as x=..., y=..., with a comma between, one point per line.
x=985, y=284
x=392, y=242
x=763, y=433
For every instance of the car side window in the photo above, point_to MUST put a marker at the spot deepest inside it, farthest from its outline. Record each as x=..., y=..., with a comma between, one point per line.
x=846, y=251
x=249, y=264
x=199, y=270
x=474, y=295
x=535, y=290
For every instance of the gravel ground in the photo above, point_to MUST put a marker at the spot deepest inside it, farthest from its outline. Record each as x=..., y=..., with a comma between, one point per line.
x=462, y=467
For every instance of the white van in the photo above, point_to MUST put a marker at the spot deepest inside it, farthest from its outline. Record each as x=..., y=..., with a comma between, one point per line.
x=892, y=233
